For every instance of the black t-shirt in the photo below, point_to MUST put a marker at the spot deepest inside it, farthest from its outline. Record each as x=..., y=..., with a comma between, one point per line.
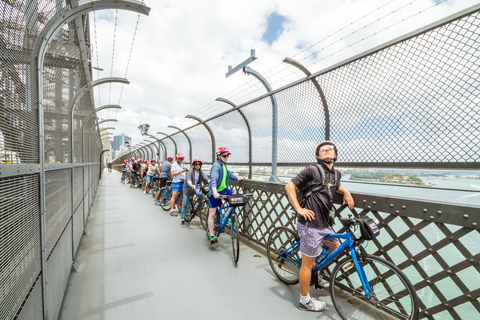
x=136, y=167
x=318, y=202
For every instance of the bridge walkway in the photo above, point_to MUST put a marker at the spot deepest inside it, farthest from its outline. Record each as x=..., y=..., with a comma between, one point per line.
x=136, y=262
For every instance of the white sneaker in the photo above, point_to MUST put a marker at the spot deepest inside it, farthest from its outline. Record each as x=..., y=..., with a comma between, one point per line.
x=324, y=283
x=144, y=192
x=314, y=305
x=173, y=213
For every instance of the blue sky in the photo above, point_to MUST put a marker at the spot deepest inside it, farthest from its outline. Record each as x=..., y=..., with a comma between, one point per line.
x=274, y=29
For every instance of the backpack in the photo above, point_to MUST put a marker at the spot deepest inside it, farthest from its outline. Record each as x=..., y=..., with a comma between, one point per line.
x=302, y=196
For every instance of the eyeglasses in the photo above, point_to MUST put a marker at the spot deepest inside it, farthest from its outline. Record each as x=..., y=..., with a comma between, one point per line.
x=325, y=148
x=225, y=156
x=198, y=164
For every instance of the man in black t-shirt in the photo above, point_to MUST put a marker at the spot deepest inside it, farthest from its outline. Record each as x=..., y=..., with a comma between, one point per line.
x=135, y=167
x=313, y=220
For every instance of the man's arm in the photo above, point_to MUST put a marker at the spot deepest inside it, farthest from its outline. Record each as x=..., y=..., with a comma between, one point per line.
x=309, y=215
x=347, y=197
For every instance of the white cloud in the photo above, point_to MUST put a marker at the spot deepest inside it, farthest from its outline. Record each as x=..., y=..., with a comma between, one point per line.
x=183, y=48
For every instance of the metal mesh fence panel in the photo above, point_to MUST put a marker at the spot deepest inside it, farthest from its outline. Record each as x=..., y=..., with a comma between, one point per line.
x=58, y=205
x=231, y=131
x=201, y=143
x=20, y=259
x=183, y=146
x=259, y=115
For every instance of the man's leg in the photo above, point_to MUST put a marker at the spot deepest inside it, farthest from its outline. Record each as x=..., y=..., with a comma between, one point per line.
x=305, y=274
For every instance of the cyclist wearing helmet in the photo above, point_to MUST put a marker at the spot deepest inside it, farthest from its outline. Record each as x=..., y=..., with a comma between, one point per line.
x=152, y=168
x=219, y=176
x=135, y=167
x=178, y=173
x=164, y=175
x=195, y=178
x=314, y=221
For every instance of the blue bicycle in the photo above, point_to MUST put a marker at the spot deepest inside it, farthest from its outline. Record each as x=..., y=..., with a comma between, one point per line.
x=166, y=197
x=362, y=286
x=224, y=217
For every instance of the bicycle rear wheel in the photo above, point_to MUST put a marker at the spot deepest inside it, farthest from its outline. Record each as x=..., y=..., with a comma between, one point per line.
x=164, y=199
x=392, y=296
x=235, y=237
x=203, y=215
x=285, y=264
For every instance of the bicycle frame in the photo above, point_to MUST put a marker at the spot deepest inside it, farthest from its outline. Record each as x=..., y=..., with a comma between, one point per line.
x=225, y=220
x=348, y=243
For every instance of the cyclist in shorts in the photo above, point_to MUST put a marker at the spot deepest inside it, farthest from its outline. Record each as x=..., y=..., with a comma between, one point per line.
x=151, y=170
x=219, y=175
x=135, y=167
x=195, y=177
x=178, y=173
x=314, y=221
x=164, y=175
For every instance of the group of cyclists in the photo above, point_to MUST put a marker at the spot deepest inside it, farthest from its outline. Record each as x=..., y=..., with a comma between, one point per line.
x=320, y=180
x=191, y=182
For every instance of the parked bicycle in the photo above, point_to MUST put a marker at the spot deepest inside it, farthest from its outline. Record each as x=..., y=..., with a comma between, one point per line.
x=196, y=205
x=223, y=218
x=362, y=286
x=123, y=178
x=166, y=197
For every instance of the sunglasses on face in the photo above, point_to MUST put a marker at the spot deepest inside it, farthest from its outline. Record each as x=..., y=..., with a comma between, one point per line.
x=325, y=148
x=225, y=156
x=198, y=164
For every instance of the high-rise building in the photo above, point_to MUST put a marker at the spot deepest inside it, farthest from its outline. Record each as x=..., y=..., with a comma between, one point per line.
x=119, y=141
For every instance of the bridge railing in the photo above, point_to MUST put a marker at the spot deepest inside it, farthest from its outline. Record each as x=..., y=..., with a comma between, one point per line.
x=435, y=244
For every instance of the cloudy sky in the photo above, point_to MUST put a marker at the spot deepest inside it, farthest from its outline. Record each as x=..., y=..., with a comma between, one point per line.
x=177, y=57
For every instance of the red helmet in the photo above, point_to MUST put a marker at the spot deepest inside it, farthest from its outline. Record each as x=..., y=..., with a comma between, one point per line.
x=126, y=160
x=180, y=156
x=153, y=160
x=145, y=160
x=222, y=150
x=197, y=160
x=132, y=158
x=169, y=158
x=139, y=160
x=123, y=165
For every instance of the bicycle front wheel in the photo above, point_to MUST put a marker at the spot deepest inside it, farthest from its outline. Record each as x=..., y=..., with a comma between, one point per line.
x=235, y=237
x=283, y=252
x=392, y=295
x=190, y=213
x=165, y=198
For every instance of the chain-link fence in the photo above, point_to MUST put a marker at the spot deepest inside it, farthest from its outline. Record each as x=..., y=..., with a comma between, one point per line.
x=401, y=105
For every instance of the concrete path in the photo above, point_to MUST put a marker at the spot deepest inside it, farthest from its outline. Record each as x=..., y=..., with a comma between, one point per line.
x=136, y=262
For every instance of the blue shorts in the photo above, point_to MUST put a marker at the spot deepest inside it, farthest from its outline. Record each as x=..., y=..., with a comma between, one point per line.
x=214, y=202
x=149, y=178
x=177, y=186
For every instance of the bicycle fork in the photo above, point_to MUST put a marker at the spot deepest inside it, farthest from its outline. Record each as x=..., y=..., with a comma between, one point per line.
x=361, y=274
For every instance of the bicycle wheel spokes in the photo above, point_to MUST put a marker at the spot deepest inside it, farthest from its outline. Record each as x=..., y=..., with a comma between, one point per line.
x=392, y=295
x=235, y=238
x=165, y=198
x=283, y=254
x=190, y=214
x=203, y=213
